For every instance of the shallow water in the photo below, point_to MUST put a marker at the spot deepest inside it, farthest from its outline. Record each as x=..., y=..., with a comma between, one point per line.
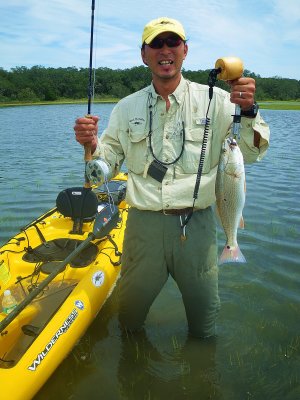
x=256, y=354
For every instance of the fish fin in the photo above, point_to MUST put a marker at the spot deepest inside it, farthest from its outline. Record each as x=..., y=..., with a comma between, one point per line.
x=231, y=255
x=242, y=223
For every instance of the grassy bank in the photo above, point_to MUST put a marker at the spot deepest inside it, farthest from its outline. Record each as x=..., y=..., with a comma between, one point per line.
x=56, y=102
x=271, y=105
x=280, y=105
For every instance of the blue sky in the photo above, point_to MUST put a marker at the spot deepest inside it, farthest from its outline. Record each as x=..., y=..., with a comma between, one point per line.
x=265, y=34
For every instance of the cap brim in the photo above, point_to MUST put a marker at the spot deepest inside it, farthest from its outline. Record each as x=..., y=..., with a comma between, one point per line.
x=159, y=31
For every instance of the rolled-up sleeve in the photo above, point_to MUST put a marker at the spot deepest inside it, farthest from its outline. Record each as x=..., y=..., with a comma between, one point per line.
x=250, y=152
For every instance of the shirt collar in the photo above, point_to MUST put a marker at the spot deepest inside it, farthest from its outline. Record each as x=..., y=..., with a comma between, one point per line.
x=180, y=90
x=178, y=93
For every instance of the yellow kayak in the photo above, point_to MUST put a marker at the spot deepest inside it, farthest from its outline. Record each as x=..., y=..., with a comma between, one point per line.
x=59, y=269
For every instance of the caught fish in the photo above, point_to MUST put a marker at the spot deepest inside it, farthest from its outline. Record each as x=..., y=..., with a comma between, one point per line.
x=230, y=194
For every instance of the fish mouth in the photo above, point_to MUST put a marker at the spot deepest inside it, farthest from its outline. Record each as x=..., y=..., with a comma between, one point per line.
x=232, y=143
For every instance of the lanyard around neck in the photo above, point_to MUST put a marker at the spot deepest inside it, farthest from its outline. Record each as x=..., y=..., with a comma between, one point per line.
x=150, y=141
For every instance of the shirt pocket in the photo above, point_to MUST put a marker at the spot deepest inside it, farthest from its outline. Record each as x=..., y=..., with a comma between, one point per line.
x=136, y=156
x=192, y=150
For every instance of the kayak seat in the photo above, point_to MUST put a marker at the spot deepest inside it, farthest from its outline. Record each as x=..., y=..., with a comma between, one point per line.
x=78, y=203
x=57, y=250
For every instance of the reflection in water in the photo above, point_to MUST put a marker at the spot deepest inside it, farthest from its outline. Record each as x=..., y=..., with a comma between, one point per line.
x=188, y=371
x=110, y=364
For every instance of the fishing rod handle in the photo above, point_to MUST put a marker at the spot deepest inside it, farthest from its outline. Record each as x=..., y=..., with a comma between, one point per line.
x=87, y=146
x=87, y=152
x=231, y=68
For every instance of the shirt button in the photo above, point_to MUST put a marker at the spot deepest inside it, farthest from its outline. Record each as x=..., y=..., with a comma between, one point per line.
x=166, y=160
x=166, y=183
x=167, y=136
x=167, y=206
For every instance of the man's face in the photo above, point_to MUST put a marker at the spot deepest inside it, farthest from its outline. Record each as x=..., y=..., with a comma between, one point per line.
x=165, y=62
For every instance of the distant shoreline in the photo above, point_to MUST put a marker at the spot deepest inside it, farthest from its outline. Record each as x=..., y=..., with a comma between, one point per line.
x=264, y=104
x=279, y=105
x=56, y=102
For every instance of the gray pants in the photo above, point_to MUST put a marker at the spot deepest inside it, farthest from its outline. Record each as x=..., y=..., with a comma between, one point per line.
x=152, y=250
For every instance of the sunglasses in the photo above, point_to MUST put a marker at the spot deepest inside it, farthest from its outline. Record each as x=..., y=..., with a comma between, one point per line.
x=171, y=41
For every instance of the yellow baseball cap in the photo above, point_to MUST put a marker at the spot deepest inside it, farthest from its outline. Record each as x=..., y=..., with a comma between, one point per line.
x=160, y=25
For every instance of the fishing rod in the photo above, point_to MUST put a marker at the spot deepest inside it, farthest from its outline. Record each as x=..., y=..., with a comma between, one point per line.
x=90, y=87
x=96, y=171
x=87, y=147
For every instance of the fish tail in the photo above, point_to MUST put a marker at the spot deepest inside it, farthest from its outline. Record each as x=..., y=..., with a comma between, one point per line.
x=231, y=254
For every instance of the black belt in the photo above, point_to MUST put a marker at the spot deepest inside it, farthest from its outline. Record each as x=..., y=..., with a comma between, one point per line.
x=180, y=211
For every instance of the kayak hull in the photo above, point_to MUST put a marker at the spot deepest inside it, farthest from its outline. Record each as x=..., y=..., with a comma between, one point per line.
x=40, y=337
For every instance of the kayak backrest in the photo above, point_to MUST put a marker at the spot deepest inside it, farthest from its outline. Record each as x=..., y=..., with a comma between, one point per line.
x=78, y=203
x=112, y=191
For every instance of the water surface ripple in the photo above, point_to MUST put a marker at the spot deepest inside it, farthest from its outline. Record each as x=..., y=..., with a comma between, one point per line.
x=257, y=352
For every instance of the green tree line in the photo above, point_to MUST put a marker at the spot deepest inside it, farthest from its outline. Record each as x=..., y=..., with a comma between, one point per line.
x=39, y=83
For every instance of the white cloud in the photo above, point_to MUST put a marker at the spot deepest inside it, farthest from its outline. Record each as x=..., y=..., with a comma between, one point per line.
x=264, y=33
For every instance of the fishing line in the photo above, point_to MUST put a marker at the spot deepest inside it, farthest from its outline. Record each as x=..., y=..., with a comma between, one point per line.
x=111, y=202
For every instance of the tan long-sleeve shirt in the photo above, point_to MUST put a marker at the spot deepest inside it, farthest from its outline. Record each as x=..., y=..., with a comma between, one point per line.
x=127, y=138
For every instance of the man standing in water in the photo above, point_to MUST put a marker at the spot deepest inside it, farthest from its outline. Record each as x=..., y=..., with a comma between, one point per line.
x=159, y=131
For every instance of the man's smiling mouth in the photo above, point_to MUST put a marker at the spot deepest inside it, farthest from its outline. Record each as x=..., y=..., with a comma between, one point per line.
x=165, y=62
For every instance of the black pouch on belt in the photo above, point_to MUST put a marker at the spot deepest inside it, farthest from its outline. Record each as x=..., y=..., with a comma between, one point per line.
x=157, y=171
